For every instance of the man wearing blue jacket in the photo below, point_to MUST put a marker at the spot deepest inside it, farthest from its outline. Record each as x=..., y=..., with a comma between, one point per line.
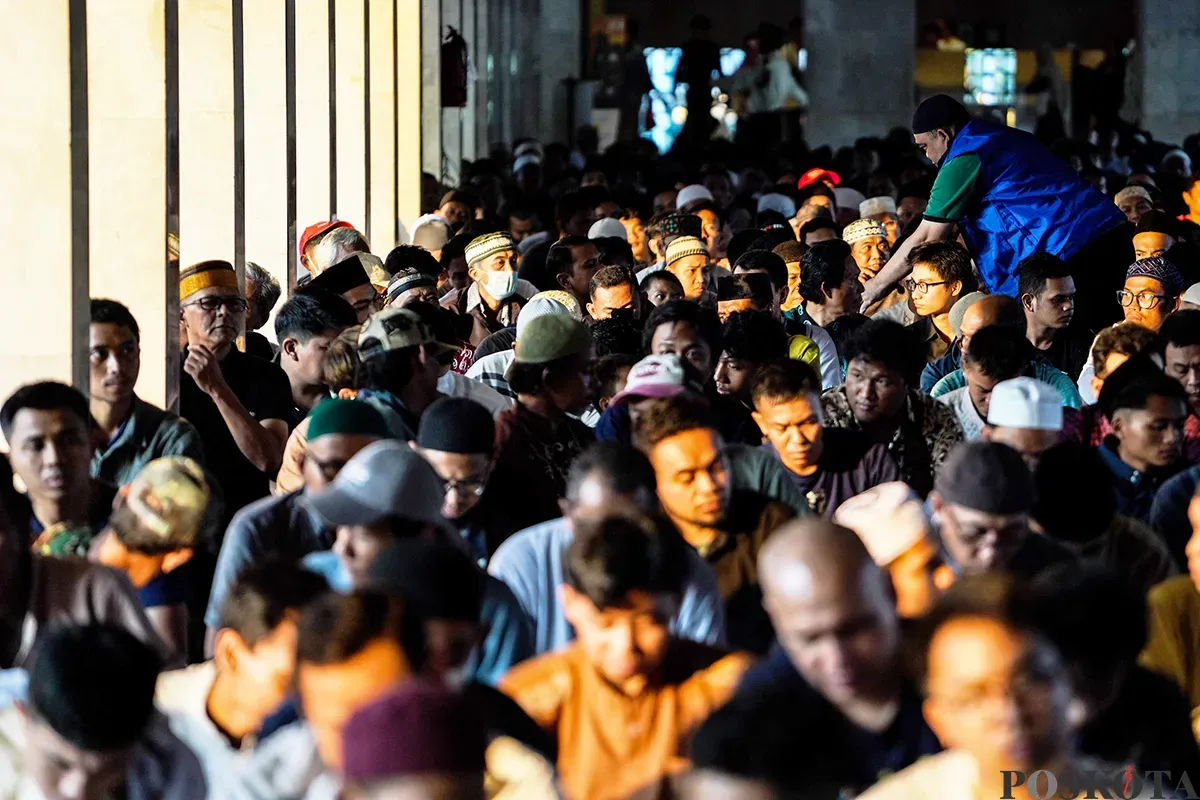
x=1010, y=197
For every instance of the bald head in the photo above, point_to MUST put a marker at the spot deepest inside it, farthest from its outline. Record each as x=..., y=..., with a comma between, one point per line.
x=807, y=551
x=832, y=608
x=994, y=309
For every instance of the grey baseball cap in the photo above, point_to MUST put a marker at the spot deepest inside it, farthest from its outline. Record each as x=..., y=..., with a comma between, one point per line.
x=384, y=479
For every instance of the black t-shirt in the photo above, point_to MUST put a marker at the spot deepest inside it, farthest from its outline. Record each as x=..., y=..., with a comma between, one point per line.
x=263, y=388
x=1070, y=350
x=850, y=464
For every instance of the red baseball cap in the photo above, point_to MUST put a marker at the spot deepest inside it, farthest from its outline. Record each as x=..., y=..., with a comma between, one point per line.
x=817, y=174
x=320, y=229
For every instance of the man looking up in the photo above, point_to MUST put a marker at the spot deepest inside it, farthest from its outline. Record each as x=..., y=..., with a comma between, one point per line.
x=1047, y=293
x=533, y=562
x=350, y=280
x=726, y=526
x=49, y=430
x=134, y=432
x=624, y=580
x=305, y=327
x=239, y=404
x=285, y=526
x=1010, y=197
x=571, y=262
x=941, y=273
x=880, y=398
x=495, y=296
x=839, y=638
x=687, y=259
x=828, y=466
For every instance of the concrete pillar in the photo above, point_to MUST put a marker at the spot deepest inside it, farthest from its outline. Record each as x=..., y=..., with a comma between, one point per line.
x=1169, y=48
x=265, y=85
x=381, y=218
x=559, y=56
x=430, y=50
x=452, y=125
x=350, y=118
x=206, y=173
x=44, y=325
x=313, y=200
x=126, y=103
x=861, y=64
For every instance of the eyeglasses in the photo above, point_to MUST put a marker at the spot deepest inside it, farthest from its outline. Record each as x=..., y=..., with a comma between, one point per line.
x=468, y=488
x=235, y=305
x=921, y=287
x=1145, y=300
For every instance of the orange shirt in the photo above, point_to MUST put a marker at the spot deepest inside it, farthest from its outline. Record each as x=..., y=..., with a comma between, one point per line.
x=611, y=745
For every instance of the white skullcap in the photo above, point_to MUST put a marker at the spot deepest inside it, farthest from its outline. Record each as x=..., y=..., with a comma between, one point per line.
x=1133, y=191
x=1192, y=295
x=848, y=198
x=862, y=229
x=773, y=201
x=539, y=306
x=889, y=518
x=604, y=228
x=526, y=159
x=1026, y=403
x=877, y=205
x=690, y=194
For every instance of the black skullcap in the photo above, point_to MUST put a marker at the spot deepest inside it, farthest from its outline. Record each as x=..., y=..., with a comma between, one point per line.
x=342, y=276
x=986, y=476
x=939, y=111
x=457, y=425
x=435, y=579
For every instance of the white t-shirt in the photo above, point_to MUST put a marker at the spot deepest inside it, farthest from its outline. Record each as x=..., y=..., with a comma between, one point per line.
x=964, y=409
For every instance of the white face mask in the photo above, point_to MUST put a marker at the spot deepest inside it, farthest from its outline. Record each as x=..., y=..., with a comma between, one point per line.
x=501, y=284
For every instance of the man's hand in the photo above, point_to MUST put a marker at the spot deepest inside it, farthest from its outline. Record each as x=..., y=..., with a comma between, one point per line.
x=205, y=370
x=873, y=291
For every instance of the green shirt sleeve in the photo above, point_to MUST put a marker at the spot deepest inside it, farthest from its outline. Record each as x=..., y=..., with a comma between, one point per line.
x=953, y=189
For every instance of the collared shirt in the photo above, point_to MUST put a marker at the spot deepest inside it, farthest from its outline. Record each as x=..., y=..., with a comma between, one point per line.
x=282, y=526
x=533, y=565
x=929, y=334
x=1133, y=490
x=939, y=368
x=491, y=369
x=147, y=433
x=454, y=385
x=924, y=437
x=486, y=321
x=965, y=412
x=509, y=637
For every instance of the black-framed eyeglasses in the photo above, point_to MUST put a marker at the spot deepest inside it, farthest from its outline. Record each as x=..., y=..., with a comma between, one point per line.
x=235, y=305
x=1145, y=300
x=921, y=287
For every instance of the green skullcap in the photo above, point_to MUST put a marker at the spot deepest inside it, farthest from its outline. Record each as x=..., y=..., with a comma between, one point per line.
x=349, y=417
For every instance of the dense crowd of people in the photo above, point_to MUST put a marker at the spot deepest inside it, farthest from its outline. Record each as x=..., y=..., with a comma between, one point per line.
x=834, y=475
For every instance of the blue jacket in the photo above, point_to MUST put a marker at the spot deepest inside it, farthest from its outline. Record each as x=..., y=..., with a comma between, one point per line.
x=1028, y=202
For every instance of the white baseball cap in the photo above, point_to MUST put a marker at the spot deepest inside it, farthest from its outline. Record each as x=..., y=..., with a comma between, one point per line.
x=773, y=201
x=876, y=205
x=1026, y=403
x=690, y=194
x=888, y=518
x=1192, y=295
x=848, y=198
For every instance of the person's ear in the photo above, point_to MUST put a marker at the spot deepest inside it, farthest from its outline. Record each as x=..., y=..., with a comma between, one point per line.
x=758, y=420
x=289, y=346
x=1174, y=307
x=228, y=649
x=956, y=288
x=591, y=310
x=1097, y=384
x=176, y=559
x=564, y=281
x=602, y=405
x=1027, y=302
x=574, y=605
x=1118, y=424
x=475, y=274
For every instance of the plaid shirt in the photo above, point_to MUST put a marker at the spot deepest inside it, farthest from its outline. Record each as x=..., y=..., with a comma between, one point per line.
x=926, y=433
x=1088, y=425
